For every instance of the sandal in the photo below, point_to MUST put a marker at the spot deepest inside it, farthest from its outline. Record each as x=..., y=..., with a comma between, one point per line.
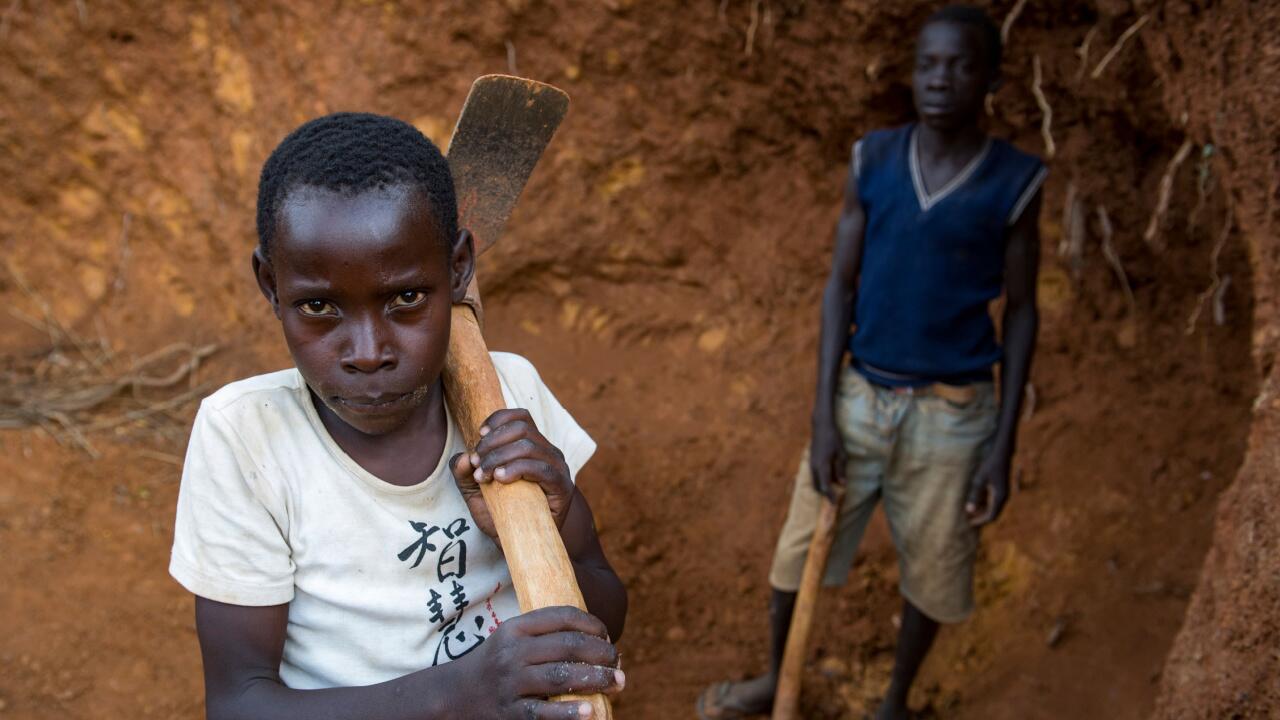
x=712, y=700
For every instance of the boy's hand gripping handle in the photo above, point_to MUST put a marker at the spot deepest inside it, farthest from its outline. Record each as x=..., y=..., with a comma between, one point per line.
x=536, y=556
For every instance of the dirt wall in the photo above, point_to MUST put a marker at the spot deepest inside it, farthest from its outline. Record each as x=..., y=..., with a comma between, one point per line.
x=1219, y=63
x=664, y=271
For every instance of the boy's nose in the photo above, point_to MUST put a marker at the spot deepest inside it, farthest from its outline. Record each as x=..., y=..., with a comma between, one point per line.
x=367, y=349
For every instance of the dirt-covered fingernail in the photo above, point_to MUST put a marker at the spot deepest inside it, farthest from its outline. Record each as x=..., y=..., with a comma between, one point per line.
x=620, y=678
x=484, y=430
x=584, y=710
x=500, y=473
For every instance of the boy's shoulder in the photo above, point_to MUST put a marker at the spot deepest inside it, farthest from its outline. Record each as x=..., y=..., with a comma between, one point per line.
x=874, y=140
x=519, y=378
x=875, y=146
x=1008, y=152
x=879, y=135
x=280, y=386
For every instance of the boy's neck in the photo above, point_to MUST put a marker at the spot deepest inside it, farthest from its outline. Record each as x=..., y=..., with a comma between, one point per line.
x=405, y=456
x=963, y=140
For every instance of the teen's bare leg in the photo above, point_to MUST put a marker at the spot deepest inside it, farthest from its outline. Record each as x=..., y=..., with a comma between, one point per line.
x=915, y=638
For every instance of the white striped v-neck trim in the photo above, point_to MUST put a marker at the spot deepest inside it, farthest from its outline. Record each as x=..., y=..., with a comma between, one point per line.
x=917, y=178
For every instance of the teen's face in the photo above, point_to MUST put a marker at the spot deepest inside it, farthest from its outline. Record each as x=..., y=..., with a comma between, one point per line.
x=951, y=77
x=363, y=287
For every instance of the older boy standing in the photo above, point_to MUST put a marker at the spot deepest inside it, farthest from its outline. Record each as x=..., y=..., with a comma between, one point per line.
x=938, y=220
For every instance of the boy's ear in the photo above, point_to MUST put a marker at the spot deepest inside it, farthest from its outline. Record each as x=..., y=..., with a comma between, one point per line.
x=462, y=265
x=266, y=276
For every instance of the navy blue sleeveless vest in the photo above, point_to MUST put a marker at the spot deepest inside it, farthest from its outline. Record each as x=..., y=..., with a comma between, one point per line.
x=932, y=263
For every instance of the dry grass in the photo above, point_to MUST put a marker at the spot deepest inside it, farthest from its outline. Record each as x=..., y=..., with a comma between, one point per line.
x=76, y=387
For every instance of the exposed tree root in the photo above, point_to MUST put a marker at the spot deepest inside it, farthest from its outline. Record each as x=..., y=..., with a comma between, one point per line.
x=1166, y=192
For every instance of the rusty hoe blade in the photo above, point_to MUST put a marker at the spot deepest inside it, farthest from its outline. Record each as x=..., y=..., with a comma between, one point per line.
x=505, y=125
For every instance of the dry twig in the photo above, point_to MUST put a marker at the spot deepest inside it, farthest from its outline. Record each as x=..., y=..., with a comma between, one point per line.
x=1204, y=184
x=163, y=457
x=1113, y=258
x=1074, y=230
x=753, y=27
x=1046, y=121
x=511, y=57
x=60, y=391
x=1009, y=20
x=117, y=285
x=1083, y=52
x=1115, y=49
x=1216, y=291
x=1166, y=192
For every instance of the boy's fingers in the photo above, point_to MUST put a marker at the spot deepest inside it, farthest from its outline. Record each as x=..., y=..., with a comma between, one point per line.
x=504, y=422
x=460, y=464
x=523, y=449
x=572, y=647
x=975, y=497
x=981, y=507
x=539, y=471
x=562, y=618
x=504, y=435
x=567, y=678
x=547, y=710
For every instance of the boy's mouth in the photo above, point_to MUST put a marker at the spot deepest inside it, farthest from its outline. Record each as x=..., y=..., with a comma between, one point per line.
x=374, y=404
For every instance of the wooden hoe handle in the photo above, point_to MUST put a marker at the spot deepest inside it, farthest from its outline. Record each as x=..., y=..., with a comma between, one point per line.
x=786, y=702
x=539, y=563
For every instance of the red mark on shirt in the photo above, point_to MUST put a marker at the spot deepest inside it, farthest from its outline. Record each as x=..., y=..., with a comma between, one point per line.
x=488, y=605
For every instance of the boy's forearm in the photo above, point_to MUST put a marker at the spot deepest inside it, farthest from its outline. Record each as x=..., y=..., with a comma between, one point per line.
x=605, y=595
x=837, y=311
x=1021, y=327
x=424, y=695
x=602, y=589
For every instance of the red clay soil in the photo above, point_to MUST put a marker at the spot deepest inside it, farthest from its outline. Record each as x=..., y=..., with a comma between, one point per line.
x=663, y=271
x=1220, y=66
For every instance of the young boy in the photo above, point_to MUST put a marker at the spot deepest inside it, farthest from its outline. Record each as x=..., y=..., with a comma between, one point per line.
x=341, y=569
x=938, y=218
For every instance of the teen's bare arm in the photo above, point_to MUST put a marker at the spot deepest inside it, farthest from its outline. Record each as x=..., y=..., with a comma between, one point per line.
x=548, y=652
x=826, y=452
x=990, y=487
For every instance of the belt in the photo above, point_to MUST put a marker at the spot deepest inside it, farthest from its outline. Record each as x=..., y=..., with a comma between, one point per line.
x=958, y=394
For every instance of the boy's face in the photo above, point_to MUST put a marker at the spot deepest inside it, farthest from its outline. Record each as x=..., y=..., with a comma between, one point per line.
x=363, y=287
x=951, y=77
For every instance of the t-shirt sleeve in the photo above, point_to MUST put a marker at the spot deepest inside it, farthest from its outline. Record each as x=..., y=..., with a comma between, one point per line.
x=230, y=535
x=522, y=387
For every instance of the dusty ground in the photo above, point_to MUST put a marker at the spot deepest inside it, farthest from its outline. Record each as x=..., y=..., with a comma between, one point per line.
x=663, y=271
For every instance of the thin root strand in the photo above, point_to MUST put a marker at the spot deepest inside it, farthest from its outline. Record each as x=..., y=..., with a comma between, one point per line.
x=1046, y=121
x=1115, y=49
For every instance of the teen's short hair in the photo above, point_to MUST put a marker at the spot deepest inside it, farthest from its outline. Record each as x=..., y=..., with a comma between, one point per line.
x=352, y=153
x=978, y=18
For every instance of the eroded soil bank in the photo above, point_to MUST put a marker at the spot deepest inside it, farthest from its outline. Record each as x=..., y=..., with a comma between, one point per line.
x=663, y=272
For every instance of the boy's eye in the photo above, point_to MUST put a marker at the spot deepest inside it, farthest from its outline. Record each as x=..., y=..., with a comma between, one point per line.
x=317, y=308
x=408, y=298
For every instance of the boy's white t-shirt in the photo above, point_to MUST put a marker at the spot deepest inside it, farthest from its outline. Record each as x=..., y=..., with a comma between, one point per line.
x=382, y=580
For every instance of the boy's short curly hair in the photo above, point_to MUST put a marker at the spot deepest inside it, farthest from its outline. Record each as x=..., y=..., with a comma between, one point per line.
x=351, y=153
x=979, y=19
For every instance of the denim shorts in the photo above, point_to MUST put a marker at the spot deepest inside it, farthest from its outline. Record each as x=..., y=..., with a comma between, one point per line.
x=917, y=452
